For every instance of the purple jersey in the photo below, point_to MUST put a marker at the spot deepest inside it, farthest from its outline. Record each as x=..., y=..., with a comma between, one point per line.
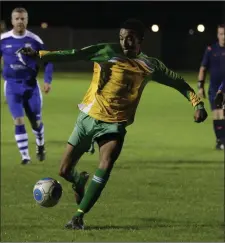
x=18, y=67
x=19, y=71
x=214, y=61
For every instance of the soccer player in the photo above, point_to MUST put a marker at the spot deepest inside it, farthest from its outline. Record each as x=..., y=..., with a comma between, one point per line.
x=22, y=89
x=214, y=62
x=121, y=71
x=2, y=26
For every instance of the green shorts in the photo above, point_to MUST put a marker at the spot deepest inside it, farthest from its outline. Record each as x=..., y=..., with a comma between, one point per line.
x=87, y=130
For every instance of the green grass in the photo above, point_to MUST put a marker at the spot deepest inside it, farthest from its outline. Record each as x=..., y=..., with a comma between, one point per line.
x=168, y=184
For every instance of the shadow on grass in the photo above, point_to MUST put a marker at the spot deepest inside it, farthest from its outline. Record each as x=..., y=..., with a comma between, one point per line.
x=53, y=142
x=175, y=164
x=141, y=224
x=153, y=223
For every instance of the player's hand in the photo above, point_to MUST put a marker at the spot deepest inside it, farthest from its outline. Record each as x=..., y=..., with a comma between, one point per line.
x=200, y=113
x=219, y=99
x=201, y=93
x=28, y=51
x=46, y=88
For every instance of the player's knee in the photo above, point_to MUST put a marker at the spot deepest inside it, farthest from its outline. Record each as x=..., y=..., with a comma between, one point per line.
x=35, y=124
x=19, y=121
x=106, y=163
x=218, y=114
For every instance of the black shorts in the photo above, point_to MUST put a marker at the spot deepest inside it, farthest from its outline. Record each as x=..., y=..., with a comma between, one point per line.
x=211, y=96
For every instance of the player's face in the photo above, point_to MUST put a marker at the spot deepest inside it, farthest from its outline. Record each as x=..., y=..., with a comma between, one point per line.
x=129, y=42
x=221, y=36
x=19, y=22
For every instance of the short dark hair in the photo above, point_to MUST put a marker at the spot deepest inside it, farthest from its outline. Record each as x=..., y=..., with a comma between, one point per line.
x=135, y=25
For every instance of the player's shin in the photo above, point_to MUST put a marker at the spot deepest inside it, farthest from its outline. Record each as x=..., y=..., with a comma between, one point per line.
x=93, y=192
x=21, y=137
x=38, y=131
x=219, y=128
x=69, y=160
x=39, y=134
x=68, y=171
x=71, y=175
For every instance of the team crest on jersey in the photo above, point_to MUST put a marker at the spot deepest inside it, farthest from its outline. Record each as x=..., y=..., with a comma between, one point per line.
x=28, y=45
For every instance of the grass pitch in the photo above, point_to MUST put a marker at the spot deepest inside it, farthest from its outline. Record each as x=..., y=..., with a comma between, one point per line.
x=168, y=184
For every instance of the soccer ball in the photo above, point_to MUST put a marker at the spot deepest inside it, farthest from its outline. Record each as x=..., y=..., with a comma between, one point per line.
x=47, y=192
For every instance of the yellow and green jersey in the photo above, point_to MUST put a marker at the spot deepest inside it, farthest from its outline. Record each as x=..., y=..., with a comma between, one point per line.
x=118, y=81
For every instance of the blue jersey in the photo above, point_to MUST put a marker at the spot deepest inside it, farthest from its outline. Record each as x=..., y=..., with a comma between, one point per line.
x=214, y=61
x=18, y=67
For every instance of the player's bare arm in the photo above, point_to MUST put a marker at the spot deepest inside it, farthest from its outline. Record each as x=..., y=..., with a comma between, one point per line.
x=201, y=81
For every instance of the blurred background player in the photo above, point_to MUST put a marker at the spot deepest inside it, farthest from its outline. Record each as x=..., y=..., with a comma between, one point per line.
x=3, y=30
x=121, y=71
x=22, y=89
x=2, y=26
x=214, y=62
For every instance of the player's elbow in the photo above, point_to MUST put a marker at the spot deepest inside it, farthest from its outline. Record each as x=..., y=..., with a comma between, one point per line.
x=202, y=73
x=202, y=69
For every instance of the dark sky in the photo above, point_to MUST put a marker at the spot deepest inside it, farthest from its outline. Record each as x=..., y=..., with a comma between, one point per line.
x=111, y=14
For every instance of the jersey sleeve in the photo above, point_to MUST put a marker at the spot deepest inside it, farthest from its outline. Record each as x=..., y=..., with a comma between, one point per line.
x=206, y=57
x=95, y=53
x=48, y=66
x=165, y=76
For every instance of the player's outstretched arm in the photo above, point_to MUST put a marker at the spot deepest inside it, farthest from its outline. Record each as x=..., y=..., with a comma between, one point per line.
x=169, y=78
x=95, y=53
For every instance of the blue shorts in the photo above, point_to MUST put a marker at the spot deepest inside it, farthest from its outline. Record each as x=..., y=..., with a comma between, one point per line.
x=21, y=97
x=212, y=95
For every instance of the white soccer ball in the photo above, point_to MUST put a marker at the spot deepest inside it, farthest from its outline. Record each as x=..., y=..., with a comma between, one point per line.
x=47, y=192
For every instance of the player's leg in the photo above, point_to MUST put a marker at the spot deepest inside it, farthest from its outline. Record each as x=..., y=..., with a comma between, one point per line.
x=110, y=146
x=218, y=121
x=219, y=127
x=68, y=170
x=33, y=106
x=16, y=108
x=79, y=142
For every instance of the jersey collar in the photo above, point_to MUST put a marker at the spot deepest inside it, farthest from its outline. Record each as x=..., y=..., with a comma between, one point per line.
x=18, y=36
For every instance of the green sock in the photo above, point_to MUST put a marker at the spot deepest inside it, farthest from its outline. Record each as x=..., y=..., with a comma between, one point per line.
x=93, y=191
